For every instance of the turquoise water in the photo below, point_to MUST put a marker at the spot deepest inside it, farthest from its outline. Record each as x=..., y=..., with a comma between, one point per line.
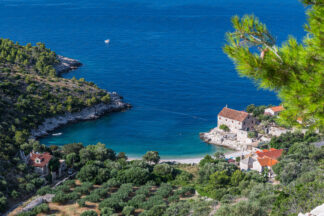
x=164, y=57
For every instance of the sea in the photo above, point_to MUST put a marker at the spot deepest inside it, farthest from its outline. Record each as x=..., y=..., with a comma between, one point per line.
x=164, y=57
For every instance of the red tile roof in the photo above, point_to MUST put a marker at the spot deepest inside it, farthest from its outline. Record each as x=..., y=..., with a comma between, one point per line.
x=233, y=114
x=44, y=159
x=277, y=108
x=272, y=153
x=268, y=157
x=266, y=161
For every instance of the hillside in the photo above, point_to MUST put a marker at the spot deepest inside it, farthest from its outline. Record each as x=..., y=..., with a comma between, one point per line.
x=31, y=90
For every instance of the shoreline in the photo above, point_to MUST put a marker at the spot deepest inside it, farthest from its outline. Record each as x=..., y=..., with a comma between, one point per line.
x=89, y=113
x=195, y=160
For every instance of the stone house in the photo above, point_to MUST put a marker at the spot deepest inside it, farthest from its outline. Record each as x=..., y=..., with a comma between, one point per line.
x=40, y=162
x=236, y=120
x=273, y=111
x=247, y=163
x=265, y=158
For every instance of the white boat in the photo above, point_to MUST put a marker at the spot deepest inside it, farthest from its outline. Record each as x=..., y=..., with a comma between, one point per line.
x=107, y=41
x=57, y=134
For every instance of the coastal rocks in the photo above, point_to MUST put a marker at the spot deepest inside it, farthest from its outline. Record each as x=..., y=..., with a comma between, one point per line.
x=66, y=64
x=116, y=104
x=221, y=138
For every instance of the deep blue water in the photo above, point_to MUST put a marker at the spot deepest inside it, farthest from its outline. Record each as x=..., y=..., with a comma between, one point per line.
x=165, y=57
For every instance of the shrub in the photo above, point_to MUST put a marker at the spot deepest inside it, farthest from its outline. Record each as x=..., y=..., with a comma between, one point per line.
x=185, y=191
x=164, y=172
x=44, y=190
x=224, y=128
x=93, y=197
x=81, y=202
x=164, y=190
x=153, y=201
x=128, y=210
x=157, y=210
x=137, y=200
x=145, y=190
x=70, y=183
x=107, y=211
x=135, y=175
x=252, y=134
x=60, y=197
x=42, y=208
x=178, y=209
x=74, y=195
x=63, y=188
x=89, y=213
x=174, y=198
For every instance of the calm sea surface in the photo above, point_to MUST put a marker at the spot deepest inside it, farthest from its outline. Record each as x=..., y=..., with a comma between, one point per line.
x=165, y=57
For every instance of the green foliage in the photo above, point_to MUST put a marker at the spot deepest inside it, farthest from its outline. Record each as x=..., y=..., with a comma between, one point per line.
x=152, y=157
x=135, y=175
x=44, y=190
x=286, y=140
x=224, y=128
x=164, y=172
x=252, y=134
x=242, y=208
x=54, y=164
x=30, y=92
x=293, y=70
x=128, y=210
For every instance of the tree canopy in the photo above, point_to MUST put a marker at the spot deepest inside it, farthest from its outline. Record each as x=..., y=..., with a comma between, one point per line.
x=293, y=70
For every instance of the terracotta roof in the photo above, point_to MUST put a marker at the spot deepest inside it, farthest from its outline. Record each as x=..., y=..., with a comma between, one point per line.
x=233, y=114
x=272, y=153
x=277, y=108
x=266, y=161
x=44, y=159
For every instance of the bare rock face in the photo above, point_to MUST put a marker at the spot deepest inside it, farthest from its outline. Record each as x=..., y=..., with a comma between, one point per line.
x=66, y=64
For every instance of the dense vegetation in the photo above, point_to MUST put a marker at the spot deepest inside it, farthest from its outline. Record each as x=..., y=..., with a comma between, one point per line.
x=294, y=70
x=30, y=91
x=147, y=187
x=119, y=186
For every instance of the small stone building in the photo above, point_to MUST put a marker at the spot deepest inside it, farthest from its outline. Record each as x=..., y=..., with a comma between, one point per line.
x=236, y=120
x=40, y=162
x=273, y=111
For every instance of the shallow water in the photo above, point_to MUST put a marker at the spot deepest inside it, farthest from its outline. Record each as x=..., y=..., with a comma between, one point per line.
x=164, y=57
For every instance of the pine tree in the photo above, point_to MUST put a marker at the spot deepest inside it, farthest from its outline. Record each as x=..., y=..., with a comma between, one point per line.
x=295, y=71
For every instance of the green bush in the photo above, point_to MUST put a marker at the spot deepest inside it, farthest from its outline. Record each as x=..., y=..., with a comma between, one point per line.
x=81, y=202
x=164, y=190
x=89, y=213
x=224, y=128
x=137, y=200
x=42, y=208
x=128, y=210
x=44, y=190
x=106, y=211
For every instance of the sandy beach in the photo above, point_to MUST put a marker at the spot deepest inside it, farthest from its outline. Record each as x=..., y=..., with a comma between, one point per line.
x=197, y=160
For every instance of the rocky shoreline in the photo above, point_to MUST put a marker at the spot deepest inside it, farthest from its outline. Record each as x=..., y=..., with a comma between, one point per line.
x=217, y=137
x=66, y=64
x=88, y=113
x=116, y=104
